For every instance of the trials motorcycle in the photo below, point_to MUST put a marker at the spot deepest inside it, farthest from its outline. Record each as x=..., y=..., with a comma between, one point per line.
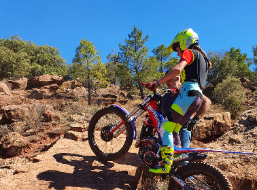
x=112, y=130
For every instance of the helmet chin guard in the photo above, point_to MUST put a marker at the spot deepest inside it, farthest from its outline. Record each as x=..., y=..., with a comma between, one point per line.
x=184, y=39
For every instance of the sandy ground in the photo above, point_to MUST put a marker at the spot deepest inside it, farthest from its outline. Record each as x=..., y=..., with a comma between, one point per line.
x=72, y=165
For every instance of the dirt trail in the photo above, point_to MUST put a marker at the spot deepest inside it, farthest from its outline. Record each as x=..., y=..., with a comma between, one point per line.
x=72, y=165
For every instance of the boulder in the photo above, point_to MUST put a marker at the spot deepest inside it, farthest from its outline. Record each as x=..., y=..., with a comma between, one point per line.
x=4, y=89
x=75, y=84
x=43, y=80
x=70, y=135
x=13, y=143
x=38, y=95
x=246, y=84
x=6, y=96
x=211, y=125
x=50, y=88
x=248, y=119
x=13, y=113
x=50, y=116
x=19, y=84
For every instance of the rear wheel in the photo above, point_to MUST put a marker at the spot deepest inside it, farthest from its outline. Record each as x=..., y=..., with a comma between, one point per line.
x=202, y=176
x=103, y=143
x=198, y=176
x=152, y=181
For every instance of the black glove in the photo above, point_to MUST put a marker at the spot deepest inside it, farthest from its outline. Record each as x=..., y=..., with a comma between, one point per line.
x=191, y=123
x=152, y=86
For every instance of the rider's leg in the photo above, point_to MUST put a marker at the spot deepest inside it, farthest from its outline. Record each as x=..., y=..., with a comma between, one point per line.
x=176, y=140
x=176, y=136
x=184, y=101
x=167, y=150
x=167, y=160
x=185, y=137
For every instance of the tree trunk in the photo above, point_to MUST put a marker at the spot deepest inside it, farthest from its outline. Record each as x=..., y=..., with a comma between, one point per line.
x=141, y=90
x=89, y=89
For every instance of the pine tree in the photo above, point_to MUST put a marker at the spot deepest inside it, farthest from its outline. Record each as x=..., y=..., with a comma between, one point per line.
x=133, y=54
x=87, y=66
x=162, y=54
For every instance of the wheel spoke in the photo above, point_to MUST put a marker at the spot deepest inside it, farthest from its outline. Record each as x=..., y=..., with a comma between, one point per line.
x=113, y=145
x=202, y=176
x=105, y=144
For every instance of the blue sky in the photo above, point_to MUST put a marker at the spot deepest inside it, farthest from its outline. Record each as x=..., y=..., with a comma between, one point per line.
x=220, y=24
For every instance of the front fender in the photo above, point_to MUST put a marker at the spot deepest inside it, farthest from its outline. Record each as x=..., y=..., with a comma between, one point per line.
x=131, y=120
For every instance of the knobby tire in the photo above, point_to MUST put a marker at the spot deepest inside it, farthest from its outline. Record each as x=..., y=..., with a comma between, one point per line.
x=191, y=172
x=94, y=134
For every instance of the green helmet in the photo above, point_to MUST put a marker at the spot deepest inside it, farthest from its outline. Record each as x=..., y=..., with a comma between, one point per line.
x=184, y=39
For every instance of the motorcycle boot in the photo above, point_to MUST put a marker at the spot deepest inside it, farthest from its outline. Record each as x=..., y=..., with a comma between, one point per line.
x=167, y=153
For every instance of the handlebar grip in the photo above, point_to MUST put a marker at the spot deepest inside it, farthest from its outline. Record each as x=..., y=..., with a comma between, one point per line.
x=149, y=86
x=144, y=84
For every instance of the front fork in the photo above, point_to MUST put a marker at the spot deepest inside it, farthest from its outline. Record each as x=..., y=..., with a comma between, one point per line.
x=117, y=129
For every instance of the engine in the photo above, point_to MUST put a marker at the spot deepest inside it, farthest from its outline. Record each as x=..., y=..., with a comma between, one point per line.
x=148, y=151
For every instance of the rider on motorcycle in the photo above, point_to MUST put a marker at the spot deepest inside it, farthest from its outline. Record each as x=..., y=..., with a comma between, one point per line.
x=184, y=137
x=193, y=67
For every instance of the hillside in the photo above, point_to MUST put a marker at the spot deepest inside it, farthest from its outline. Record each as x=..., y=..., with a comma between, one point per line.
x=44, y=138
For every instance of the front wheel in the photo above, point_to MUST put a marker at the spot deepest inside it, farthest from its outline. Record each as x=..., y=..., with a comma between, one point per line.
x=104, y=144
x=202, y=176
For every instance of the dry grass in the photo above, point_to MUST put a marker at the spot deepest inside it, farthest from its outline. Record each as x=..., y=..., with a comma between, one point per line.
x=68, y=108
x=34, y=120
x=216, y=108
x=30, y=121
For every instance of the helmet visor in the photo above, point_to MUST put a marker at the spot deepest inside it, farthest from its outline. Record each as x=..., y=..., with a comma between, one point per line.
x=173, y=47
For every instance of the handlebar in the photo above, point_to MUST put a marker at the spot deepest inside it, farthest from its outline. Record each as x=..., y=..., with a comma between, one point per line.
x=167, y=91
x=152, y=86
x=146, y=85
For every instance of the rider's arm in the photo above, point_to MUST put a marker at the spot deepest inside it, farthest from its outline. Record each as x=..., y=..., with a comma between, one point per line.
x=174, y=71
x=186, y=58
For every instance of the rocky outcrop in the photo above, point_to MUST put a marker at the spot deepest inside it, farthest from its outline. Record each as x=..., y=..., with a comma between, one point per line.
x=240, y=138
x=44, y=80
x=211, y=125
x=5, y=95
x=13, y=143
x=246, y=122
x=246, y=83
x=29, y=144
x=4, y=89
x=15, y=113
x=19, y=84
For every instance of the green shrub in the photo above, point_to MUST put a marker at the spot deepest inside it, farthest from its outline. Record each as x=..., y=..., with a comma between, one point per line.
x=233, y=104
x=231, y=95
